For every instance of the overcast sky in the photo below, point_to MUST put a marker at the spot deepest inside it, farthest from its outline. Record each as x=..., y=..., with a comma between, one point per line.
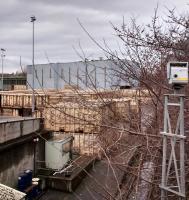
x=57, y=29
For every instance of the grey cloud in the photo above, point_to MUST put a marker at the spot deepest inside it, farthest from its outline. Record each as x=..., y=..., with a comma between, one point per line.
x=57, y=29
x=105, y=5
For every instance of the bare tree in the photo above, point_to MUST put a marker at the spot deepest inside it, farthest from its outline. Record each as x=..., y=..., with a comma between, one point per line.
x=142, y=63
x=128, y=138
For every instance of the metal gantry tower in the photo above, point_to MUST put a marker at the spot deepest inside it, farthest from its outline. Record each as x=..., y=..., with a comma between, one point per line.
x=173, y=163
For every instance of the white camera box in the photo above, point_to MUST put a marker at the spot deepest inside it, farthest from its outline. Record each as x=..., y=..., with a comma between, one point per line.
x=177, y=73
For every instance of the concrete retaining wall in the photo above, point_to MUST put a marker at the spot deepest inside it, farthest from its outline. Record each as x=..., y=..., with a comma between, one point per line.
x=18, y=147
x=14, y=161
x=16, y=128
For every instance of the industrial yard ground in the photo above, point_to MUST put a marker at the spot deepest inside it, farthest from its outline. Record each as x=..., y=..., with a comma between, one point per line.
x=101, y=184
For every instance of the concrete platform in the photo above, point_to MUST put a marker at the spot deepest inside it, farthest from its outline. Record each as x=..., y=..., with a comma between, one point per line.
x=17, y=127
x=13, y=118
x=69, y=179
x=98, y=185
x=7, y=118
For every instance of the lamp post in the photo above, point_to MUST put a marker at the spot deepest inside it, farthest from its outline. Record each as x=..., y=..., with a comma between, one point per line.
x=2, y=62
x=33, y=19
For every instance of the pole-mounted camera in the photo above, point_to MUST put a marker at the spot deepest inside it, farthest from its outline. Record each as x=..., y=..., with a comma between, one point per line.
x=177, y=74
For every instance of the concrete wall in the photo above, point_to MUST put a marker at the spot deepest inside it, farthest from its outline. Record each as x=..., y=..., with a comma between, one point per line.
x=17, y=148
x=17, y=159
x=15, y=128
x=14, y=161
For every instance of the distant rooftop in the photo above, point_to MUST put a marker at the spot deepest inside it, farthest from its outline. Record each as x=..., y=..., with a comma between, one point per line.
x=18, y=75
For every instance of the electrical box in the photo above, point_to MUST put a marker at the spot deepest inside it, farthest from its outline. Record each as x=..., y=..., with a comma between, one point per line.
x=58, y=151
x=177, y=73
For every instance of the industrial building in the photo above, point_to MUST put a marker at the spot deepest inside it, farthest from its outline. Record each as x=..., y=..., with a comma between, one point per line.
x=13, y=81
x=88, y=74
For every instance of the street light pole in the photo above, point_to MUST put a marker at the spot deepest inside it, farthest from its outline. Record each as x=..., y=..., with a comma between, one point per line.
x=33, y=19
x=2, y=59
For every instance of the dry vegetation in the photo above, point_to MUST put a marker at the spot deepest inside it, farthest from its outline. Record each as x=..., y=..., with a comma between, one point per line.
x=129, y=138
x=147, y=49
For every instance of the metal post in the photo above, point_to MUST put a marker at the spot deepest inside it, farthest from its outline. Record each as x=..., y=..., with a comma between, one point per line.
x=95, y=77
x=164, y=149
x=105, y=77
x=33, y=19
x=182, y=150
x=69, y=76
x=86, y=74
x=77, y=77
x=35, y=141
x=42, y=77
x=2, y=65
x=2, y=73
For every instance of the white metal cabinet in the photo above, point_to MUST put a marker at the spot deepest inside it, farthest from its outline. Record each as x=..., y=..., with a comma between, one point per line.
x=56, y=155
